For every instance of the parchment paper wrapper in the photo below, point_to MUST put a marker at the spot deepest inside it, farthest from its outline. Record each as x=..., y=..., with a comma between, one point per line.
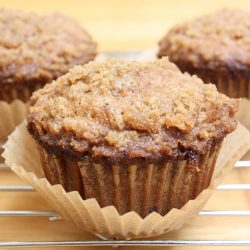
x=11, y=115
x=243, y=114
x=147, y=55
x=22, y=156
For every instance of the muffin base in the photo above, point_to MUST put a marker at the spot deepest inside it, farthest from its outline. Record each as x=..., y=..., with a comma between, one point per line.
x=141, y=187
x=9, y=93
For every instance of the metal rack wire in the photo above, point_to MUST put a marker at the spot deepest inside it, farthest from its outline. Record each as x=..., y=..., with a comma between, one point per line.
x=103, y=241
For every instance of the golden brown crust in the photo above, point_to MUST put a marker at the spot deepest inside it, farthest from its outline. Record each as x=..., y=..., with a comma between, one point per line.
x=219, y=41
x=40, y=48
x=122, y=109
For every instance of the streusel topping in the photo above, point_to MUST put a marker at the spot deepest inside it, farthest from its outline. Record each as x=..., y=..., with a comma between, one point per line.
x=35, y=47
x=133, y=107
x=218, y=40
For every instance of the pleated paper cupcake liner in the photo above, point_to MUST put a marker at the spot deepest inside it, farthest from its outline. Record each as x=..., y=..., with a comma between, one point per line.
x=22, y=156
x=141, y=187
x=243, y=114
x=147, y=55
x=235, y=88
x=11, y=115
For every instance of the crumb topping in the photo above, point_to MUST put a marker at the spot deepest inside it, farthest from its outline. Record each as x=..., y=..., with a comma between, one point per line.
x=35, y=47
x=218, y=40
x=128, y=106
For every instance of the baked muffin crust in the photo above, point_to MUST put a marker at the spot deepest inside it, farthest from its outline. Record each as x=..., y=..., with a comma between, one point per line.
x=127, y=109
x=218, y=41
x=36, y=48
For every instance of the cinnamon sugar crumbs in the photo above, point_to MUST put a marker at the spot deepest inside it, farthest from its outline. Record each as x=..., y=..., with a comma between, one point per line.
x=36, y=47
x=149, y=106
x=216, y=40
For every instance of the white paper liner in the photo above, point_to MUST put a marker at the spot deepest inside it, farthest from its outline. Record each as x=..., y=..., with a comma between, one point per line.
x=243, y=114
x=22, y=156
x=11, y=115
x=147, y=55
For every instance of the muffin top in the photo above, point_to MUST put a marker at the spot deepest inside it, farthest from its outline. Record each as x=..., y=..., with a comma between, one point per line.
x=35, y=47
x=220, y=40
x=128, y=109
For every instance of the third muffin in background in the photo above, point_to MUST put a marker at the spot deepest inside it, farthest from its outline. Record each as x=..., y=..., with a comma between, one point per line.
x=215, y=47
x=36, y=49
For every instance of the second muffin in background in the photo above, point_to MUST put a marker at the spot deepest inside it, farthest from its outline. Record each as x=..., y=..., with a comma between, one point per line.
x=36, y=49
x=143, y=137
x=215, y=47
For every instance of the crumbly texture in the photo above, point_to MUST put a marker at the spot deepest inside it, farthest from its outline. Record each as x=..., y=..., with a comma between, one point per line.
x=128, y=109
x=36, y=48
x=219, y=41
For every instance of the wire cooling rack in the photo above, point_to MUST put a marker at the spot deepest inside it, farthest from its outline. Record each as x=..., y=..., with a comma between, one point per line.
x=103, y=241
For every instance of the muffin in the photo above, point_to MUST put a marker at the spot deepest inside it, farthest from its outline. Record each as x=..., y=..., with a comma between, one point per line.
x=143, y=137
x=216, y=48
x=36, y=49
